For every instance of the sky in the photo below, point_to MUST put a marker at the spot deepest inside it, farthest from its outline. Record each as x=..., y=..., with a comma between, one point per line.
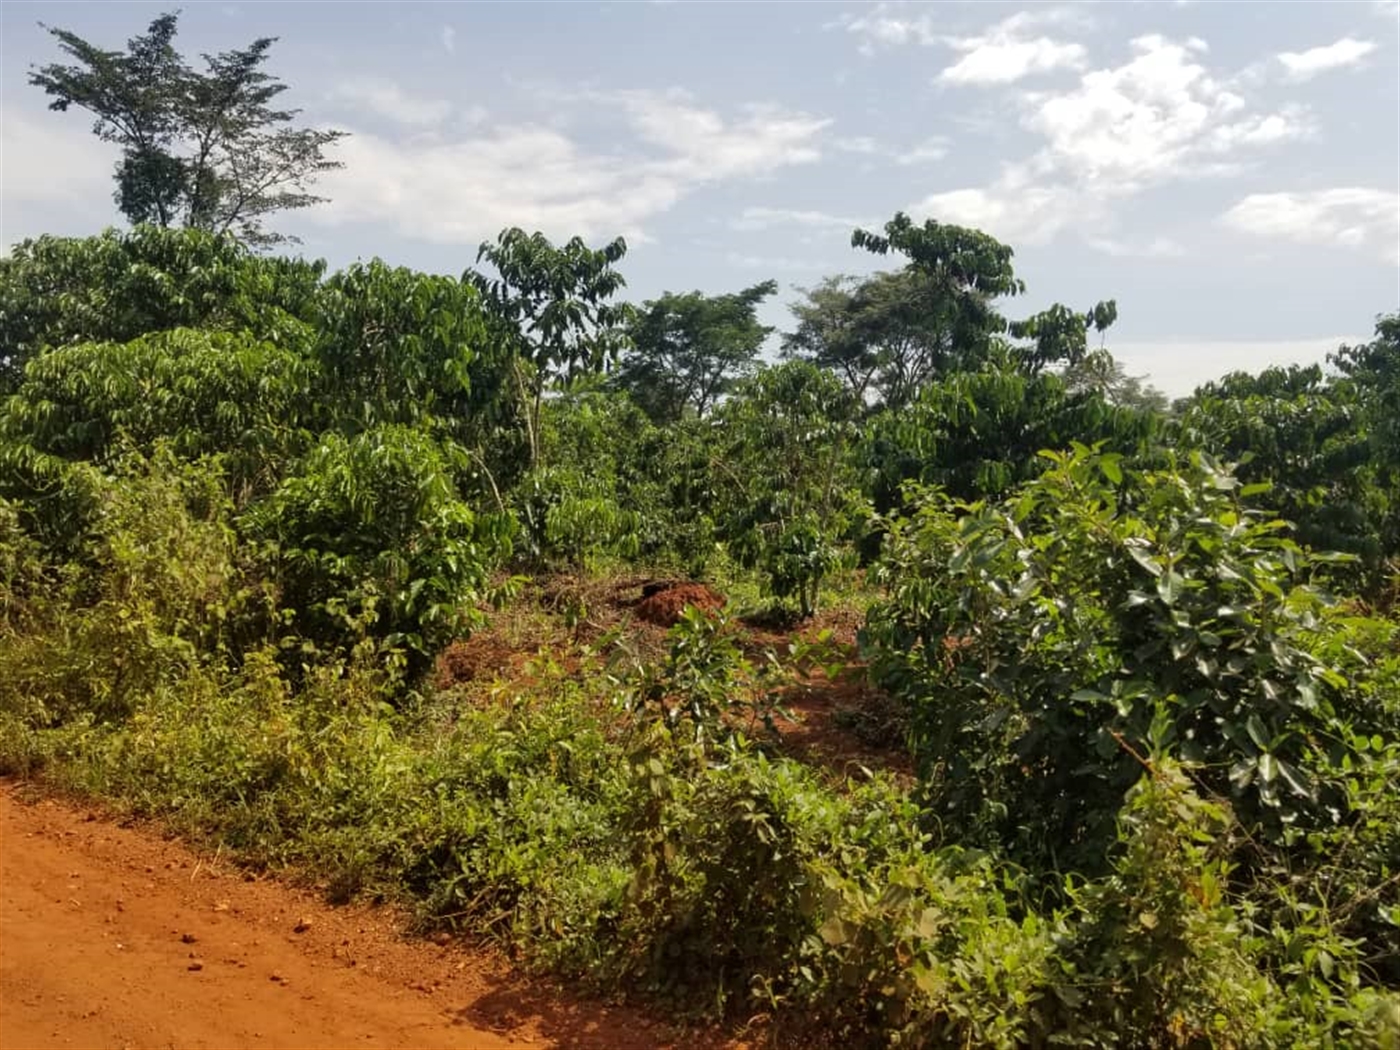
x=1229, y=172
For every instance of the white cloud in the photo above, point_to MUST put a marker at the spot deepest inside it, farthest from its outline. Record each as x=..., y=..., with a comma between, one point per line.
x=882, y=26
x=387, y=99
x=1009, y=210
x=931, y=149
x=1157, y=248
x=1386, y=8
x=1304, y=65
x=1156, y=117
x=703, y=147
x=767, y=218
x=1005, y=53
x=1345, y=217
x=462, y=190
x=449, y=40
x=50, y=160
x=529, y=177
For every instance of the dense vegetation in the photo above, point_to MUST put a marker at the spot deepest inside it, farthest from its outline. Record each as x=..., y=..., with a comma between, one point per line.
x=1146, y=660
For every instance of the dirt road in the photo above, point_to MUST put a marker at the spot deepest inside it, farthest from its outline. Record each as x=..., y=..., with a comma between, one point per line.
x=111, y=936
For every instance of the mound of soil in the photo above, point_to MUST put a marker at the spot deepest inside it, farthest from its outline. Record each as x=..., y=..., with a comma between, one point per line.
x=480, y=656
x=664, y=607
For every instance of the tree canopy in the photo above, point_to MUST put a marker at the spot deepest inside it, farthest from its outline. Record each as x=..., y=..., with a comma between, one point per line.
x=207, y=149
x=688, y=350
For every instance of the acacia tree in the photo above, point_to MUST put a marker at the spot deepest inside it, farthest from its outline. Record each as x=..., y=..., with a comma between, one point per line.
x=199, y=149
x=551, y=304
x=688, y=350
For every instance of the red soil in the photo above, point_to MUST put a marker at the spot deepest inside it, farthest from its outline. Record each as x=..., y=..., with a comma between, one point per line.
x=665, y=606
x=112, y=936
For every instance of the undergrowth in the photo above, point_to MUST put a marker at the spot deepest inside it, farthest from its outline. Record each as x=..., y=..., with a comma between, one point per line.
x=609, y=823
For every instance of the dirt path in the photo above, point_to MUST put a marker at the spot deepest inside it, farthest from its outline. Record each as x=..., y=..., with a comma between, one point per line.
x=111, y=936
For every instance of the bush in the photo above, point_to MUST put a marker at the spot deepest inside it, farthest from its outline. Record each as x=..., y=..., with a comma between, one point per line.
x=369, y=534
x=203, y=393
x=56, y=291
x=159, y=592
x=1033, y=637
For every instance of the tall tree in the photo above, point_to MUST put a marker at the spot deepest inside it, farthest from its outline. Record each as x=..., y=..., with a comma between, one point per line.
x=200, y=149
x=887, y=335
x=552, y=304
x=966, y=269
x=960, y=274
x=689, y=350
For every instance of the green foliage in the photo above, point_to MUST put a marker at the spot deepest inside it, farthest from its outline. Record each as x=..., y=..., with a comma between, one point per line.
x=240, y=515
x=1034, y=636
x=788, y=492
x=1156, y=949
x=203, y=393
x=687, y=351
x=207, y=149
x=119, y=286
x=887, y=335
x=949, y=290
x=1098, y=372
x=396, y=346
x=550, y=305
x=1372, y=376
x=369, y=534
x=1305, y=438
x=705, y=684
x=160, y=587
x=979, y=434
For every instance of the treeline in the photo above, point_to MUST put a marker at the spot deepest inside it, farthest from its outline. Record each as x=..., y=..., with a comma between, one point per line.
x=1146, y=656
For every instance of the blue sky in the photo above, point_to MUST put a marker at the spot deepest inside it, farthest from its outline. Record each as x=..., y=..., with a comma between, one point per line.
x=1229, y=172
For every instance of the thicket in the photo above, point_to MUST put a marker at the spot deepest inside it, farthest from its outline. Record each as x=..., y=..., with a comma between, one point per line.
x=1147, y=660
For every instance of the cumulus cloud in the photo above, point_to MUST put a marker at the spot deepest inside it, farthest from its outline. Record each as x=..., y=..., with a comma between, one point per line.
x=704, y=147
x=459, y=190
x=1011, y=210
x=1008, y=52
x=1353, y=217
x=1157, y=117
x=449, y=40
x=885, y=26
x=1304, y=65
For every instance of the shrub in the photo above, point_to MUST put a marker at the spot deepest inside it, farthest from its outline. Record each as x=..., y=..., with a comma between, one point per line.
x=1030, y=637
x=369, y=530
